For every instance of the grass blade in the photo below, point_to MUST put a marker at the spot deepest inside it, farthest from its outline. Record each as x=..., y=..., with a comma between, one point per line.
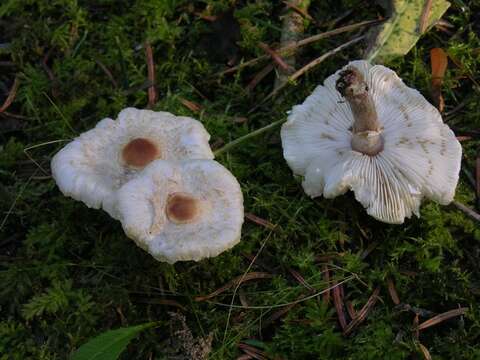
x=110, y=344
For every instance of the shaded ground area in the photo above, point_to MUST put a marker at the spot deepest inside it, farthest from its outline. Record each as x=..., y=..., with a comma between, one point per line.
x=67, y=272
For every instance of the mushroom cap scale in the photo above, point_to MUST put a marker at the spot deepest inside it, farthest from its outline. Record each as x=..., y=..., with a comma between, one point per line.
x=95, y=164
x=186, y=210
x=420, y=157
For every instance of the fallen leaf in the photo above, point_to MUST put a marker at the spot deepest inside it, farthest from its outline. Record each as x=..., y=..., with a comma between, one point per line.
x=439, y=62
x=400, y=32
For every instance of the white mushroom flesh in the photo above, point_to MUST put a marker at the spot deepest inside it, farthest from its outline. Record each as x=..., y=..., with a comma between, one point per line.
x=420, y=155
x=182, y=210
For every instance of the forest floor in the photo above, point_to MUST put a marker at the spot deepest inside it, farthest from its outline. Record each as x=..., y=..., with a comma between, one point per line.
x=69, y=273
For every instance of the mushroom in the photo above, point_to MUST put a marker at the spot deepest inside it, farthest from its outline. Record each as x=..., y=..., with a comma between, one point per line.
x=366, y=131
x=185, y=210
x=98, y=162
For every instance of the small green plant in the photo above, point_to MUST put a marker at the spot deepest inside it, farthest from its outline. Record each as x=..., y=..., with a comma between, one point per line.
x=110, y=344
x=68, y=273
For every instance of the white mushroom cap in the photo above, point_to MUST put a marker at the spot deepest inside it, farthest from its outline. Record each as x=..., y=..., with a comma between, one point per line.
x=94, y=165
x=182, y=210
x=420, y=154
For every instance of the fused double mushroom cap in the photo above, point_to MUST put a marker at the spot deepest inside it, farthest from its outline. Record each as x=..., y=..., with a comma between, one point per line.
x=365, y=130
x=144, y=170
x=182, y=210
x=98, y=162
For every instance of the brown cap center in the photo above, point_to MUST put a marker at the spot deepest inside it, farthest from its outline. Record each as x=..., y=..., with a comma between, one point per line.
x=182, y=208
x=140, y=152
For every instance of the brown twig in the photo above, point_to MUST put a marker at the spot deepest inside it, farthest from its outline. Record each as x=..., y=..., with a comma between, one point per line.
x=415, y=326
x=477, y=176
x=363, y=313
x=456, y=109
x=259, y=77
x=237, y=281
x=259, y=221
x=152, y=92
x=425, y=352
x=16, y=116
x=275, y=57
x=302, y=43
x=466, y=71
x=442, y=317
x=350, y=309
x=279, y=313
x=328, y=257
x=133, y=89
x=192, y=106
x=242, y=297
x=252, y=351
x=107, y=72
x=217, y=144
x=392, y=291
x=11, y=95
x=301, y=280
x=338, y=302
x=308, y=67
x=240, y=119
x=258, y=262
x=416, y=310
x=50, y=74
x=244, y=357
x=292, y=29
x=470, y=177
x=326, y=278
x=332, y=23
x=470, y=212
x=372, y=246
x=210, y=18
x=422, y=26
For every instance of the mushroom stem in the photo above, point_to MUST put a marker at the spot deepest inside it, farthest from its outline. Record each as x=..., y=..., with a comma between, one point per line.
x=366, y=130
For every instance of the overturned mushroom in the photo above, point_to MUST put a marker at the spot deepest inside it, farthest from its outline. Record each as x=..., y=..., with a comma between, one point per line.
x=93, y=166
x=182, y=210
x=366, y=131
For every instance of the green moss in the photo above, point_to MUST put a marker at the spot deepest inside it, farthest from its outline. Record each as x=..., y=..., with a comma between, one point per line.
x=68, y=272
